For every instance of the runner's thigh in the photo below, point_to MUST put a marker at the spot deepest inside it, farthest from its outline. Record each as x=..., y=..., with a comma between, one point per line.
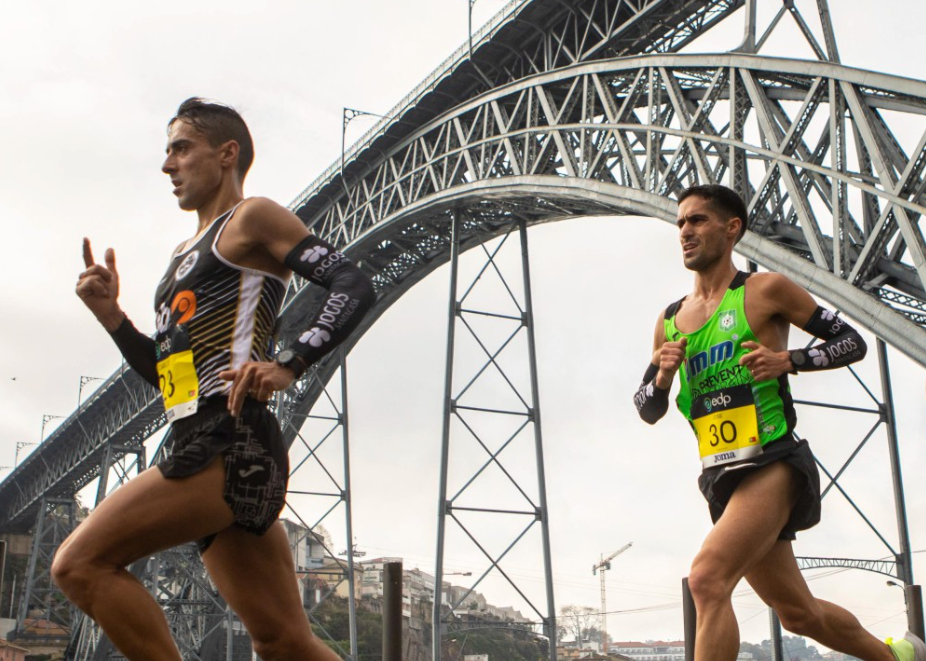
x=256, y=576
x=151, y=513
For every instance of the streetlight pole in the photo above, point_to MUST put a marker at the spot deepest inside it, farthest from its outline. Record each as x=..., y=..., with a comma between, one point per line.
x=45, y=420
x=469, y=24
x=19, y=446
x=84, y=380
x=349, y=115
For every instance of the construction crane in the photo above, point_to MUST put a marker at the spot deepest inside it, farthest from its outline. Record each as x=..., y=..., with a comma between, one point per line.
x=600, y=569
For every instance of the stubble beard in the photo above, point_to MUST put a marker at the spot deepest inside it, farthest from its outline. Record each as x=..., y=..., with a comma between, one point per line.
x=702, y=261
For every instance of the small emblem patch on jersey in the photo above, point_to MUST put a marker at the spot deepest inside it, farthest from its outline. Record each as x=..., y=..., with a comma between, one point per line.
x=186, y=265
x=727, y=320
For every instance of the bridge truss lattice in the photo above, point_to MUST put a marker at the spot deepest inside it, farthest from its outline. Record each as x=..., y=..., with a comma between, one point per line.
x=587, y=108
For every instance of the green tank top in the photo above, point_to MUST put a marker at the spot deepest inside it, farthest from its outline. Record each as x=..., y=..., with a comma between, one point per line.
x=713, y=382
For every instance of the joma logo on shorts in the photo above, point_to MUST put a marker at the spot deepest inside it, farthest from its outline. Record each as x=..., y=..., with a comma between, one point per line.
x=716, y=354
x=723, y=456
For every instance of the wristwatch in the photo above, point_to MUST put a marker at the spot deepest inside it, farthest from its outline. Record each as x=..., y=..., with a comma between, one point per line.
x=292, y=360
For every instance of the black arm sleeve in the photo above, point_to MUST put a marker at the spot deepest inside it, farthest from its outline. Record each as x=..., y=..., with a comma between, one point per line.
x=350, y=296
x=138, y=350
x=651, y=401
x=841, y=346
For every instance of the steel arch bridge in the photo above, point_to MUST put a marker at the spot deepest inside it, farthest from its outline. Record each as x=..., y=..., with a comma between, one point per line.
x=584, y=108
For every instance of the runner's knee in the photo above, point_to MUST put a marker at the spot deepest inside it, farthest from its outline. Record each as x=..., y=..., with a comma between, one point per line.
x=75, y=573
x=800, y=619
x=707, y=581
x=282, y=643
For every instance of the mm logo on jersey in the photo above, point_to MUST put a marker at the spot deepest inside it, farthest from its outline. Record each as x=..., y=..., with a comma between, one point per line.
x=701, y=360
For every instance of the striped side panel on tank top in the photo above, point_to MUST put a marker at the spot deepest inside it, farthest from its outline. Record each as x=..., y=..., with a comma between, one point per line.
x=240, y=327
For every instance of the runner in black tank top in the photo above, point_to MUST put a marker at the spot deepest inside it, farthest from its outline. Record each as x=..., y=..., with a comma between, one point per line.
x=222, y=313
x=224, y=482
x=727, y=341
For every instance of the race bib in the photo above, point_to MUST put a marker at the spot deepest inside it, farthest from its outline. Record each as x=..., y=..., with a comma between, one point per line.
x=726, y=425
x=177, y=375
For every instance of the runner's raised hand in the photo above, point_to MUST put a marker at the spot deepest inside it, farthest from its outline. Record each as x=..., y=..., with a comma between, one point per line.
x=98, y=287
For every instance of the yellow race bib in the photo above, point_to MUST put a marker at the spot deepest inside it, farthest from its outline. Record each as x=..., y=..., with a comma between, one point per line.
x=726, y=425
x=177, y=377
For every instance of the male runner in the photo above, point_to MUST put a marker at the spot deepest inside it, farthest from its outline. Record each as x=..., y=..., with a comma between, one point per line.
x=727, y=341
x=224, y=483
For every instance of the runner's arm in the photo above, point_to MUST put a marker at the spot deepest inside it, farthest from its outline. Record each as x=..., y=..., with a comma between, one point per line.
x=266, y=227
x=842, y=345
x=98, y=288
x=350, y=296
x=651, y=400
x=138, y=350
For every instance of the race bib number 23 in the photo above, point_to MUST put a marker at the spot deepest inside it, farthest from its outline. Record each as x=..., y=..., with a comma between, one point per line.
x=726, y=425
x=178, y=381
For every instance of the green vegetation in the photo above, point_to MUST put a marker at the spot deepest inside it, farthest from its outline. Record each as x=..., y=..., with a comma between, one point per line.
x=334, y=618
x=507, y=644
x=795, y=648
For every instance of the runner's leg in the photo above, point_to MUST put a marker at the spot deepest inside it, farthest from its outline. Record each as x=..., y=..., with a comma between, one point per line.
x=753, y=519
x=148, y=514
x=778, y=581
x=265, y=597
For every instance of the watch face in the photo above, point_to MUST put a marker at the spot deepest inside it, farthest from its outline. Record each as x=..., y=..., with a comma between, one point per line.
x=797, y=358
x=285, y=356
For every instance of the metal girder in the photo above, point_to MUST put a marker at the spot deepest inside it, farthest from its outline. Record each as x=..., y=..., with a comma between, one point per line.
x=492, y=406
x=555, y=126
x=395, y=223
x=886, y=567
x=524, y=38
x=664, y=122
x=116, y=419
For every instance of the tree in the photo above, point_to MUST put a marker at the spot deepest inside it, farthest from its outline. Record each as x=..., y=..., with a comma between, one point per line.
x=578, y=622
x=795, y=648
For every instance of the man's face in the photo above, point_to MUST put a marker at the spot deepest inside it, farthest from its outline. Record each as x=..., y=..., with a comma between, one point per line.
x=194, y=166
x=704, y=234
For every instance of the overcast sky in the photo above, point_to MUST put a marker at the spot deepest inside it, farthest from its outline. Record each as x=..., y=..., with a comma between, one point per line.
x=88, y=88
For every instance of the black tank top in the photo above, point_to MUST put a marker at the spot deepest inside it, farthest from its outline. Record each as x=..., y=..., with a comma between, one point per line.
x=211, y=316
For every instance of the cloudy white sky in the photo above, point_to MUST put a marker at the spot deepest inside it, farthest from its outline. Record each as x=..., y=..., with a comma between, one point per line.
x=88, y=88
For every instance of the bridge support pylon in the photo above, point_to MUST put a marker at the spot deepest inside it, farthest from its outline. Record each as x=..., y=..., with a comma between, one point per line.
x=492, y=431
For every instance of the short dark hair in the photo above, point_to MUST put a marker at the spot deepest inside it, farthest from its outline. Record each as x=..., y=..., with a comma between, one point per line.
x=724, y=201
x=219, y=124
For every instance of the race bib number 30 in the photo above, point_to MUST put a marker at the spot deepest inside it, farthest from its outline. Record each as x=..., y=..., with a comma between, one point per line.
x=178, y=381
x=726, y=425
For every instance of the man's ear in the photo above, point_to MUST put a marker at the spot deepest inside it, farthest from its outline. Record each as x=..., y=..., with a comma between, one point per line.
x=735, y=224
x=229, y=153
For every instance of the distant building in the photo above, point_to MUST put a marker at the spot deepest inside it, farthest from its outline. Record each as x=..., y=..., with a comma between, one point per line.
x=317, y=572
x=372, y=581
x=10, y=652
x=651, y=650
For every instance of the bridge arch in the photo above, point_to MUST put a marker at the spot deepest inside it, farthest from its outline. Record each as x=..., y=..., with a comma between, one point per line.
x=597, y=138
x=587, y=140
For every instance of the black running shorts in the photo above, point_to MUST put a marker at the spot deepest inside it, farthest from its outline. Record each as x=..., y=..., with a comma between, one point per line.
x=718, y=483
x=256, y=460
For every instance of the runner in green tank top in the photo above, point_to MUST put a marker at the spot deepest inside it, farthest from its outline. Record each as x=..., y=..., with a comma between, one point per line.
x=713, y=370
x=727, y=341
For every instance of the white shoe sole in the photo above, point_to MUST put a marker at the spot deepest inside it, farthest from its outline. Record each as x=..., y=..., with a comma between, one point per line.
x=919, y=647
